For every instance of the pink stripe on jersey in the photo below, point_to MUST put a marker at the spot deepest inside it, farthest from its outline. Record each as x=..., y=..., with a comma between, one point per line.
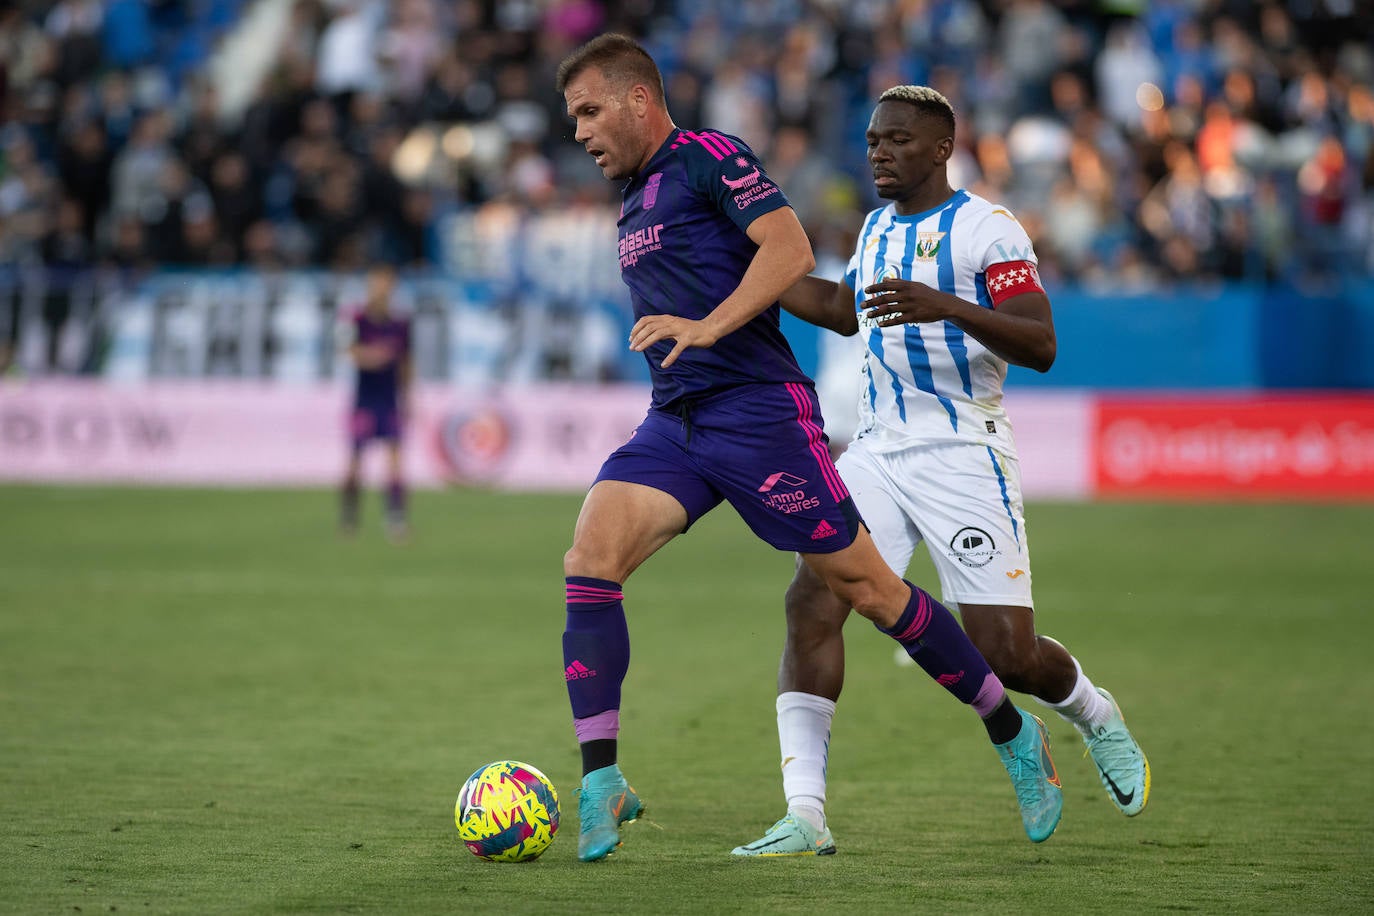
x=585, y=594
x=712, y=148
x=919, y=622
x=723, y=140
x=602, y=725
x=802, y=398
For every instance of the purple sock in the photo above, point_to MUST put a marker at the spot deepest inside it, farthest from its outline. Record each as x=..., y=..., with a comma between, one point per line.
x=348, y=503
x=396, y=499
x=596, y=655
x=934, y=639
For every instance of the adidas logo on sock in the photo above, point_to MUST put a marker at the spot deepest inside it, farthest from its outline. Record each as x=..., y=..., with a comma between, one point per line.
x=576, y=671
x=823, y=530
x=949, y=680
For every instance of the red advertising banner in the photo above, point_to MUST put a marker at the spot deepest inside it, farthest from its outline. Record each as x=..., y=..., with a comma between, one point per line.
x=1262, y=446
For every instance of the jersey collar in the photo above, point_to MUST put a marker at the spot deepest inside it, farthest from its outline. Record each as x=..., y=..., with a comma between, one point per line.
x=917, y=217
x=652, y=165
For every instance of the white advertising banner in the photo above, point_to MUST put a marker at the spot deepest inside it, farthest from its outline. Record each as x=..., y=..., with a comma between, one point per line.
x=535, y=437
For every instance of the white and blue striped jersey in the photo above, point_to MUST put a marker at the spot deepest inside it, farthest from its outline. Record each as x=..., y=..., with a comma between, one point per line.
x=931, y=383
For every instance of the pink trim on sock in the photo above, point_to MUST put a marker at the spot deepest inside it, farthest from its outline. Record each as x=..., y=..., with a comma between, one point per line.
x=989, y=697
x=586, y=594
x=920, y=621
x=602, y=725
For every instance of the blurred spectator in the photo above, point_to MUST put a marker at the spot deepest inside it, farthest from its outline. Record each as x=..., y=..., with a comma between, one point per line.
x=1171, y=139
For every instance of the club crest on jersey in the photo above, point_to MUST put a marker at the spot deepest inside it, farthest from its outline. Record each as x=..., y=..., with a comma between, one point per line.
x=651, y=190
x=928, y=245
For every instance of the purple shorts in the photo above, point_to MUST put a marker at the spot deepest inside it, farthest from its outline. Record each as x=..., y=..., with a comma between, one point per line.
x=368, y=423
x=758, y=446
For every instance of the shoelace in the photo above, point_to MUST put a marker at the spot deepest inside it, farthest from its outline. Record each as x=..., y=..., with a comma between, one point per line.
x=1024, y=772
x=1111, y=747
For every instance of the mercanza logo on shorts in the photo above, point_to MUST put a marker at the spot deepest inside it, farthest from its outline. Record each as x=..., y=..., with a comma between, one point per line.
x=973, y=547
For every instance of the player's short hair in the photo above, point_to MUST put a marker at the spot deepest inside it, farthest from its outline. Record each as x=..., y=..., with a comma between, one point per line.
x=621, y=59
x=926, y=101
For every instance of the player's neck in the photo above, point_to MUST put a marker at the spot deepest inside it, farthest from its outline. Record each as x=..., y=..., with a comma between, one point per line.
x=660, y=129
x=927, y=197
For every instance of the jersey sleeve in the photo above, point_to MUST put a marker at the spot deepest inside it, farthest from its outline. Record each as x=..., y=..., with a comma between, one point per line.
x=998, y=238
x=727, y=172
x=1003, y=254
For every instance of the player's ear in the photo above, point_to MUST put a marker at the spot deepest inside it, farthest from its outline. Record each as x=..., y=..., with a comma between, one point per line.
x=943, y=150
x=639, y=99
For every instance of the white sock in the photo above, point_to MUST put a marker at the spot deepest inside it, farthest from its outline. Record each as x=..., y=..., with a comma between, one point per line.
x=804, y=738
x=1084, y=707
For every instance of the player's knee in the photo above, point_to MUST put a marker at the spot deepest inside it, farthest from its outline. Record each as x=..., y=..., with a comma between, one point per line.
x=814, y=613
x=1014, y=668
x=579, y=561
x=862, y=595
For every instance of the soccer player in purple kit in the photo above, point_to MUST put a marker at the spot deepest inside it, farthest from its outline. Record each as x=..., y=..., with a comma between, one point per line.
x=380, y=348
x=708, y=244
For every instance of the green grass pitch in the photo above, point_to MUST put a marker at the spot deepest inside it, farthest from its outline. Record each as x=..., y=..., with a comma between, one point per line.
x=211, y=703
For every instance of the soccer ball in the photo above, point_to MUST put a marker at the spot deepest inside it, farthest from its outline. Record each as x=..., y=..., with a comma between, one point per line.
x=507, y=812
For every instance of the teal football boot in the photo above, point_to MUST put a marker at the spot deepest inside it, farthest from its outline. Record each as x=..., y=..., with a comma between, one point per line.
x=791, y=836
x=605, y=801
x=1028, y=762
x=1120, y=762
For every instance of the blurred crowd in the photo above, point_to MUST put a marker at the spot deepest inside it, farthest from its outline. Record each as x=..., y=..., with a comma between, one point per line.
x=1139, y=142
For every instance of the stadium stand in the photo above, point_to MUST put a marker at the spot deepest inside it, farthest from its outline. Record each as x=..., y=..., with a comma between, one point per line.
x=1158, y=142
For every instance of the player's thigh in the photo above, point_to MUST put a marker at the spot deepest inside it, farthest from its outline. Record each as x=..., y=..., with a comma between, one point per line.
x=363, y=423
x=620, y=526
x=966, y=499
x=647, y=492
x=877, y=494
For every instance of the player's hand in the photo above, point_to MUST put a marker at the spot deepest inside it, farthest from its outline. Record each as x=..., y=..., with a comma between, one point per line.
x=685, y=333
x=894, y=302
x=372, y=356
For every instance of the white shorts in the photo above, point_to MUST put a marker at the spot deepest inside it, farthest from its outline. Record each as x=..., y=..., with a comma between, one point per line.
x=964, y=501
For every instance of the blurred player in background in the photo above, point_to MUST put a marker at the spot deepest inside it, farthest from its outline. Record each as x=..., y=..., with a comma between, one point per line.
x=950, y=296
x=380, y=348
x=707, y=245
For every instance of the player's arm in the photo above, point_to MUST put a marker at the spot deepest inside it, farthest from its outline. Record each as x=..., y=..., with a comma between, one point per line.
x=365, y=356
x=1019, y=327
x=784, y=256
x=824, y=303
x=405, y=372
x=348, y=337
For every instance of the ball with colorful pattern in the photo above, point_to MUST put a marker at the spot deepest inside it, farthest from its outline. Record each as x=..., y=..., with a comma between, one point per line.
x=507, y=812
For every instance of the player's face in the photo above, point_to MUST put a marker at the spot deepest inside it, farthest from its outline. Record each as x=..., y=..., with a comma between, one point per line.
x=906, y=149
x=380, y=284
x=608, y=124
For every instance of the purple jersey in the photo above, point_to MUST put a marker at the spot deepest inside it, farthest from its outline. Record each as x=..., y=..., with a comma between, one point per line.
x=380, y=387
x=683, y=250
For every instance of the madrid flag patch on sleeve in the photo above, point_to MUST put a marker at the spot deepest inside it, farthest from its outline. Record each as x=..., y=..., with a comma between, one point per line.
x=1012, y=278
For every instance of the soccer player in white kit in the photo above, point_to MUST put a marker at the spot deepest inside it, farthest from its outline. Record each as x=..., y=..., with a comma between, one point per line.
x=949, y=296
